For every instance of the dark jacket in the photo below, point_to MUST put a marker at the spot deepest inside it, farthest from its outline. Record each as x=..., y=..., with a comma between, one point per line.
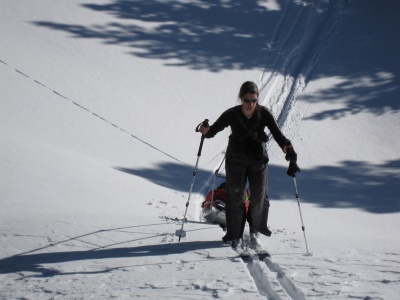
x=248, y=134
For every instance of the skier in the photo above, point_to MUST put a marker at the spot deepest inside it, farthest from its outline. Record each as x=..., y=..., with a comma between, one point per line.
x=247, y=160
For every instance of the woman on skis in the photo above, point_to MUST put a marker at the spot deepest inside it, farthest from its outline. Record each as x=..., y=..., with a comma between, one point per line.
x=247, y=160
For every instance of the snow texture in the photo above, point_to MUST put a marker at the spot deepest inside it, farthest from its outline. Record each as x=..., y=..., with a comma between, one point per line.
x=99, y=102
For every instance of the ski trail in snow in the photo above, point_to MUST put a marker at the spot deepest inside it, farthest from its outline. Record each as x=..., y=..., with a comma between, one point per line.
x=270, y=280
x=298, y=41
x=290, y=67
x=95, y=115
x=261, y=280
x=294, y=50
x=284, y=281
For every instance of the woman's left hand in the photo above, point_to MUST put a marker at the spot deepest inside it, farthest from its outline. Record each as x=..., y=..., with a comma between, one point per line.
x=293, y=169
x=286, y=147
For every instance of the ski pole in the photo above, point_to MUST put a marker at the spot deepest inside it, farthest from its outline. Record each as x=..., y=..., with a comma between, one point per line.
x=181, y=232
x=301, y=216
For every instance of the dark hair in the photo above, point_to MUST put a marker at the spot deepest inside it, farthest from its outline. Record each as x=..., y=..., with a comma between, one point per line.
x=252, y=88
x=248, y=87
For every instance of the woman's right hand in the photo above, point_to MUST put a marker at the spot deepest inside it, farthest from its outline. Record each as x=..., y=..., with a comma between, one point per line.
x=203, y=129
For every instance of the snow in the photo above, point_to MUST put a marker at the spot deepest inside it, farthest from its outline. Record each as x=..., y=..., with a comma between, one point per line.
x=99, y=102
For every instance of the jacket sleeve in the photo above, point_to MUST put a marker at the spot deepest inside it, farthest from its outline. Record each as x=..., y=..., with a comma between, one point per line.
x=220, y=124
x=276, y=132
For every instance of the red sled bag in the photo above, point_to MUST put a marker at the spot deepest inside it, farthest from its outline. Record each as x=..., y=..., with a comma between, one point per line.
x=219, y=199
x=214, y=211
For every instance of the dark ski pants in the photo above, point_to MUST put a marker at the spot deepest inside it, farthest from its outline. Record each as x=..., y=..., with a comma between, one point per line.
x=238, y=172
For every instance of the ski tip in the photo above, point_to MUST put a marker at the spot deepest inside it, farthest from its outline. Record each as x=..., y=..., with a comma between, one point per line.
x=262, y=256
x=244, y=254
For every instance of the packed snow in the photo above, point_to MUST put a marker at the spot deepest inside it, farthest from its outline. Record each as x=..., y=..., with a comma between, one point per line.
x=99, y=102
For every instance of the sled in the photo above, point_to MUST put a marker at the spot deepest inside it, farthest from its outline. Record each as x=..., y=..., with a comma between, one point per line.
x=213, y=207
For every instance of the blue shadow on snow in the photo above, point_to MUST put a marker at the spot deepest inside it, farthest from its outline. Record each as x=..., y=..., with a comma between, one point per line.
x=352, y=184
x=244, y=35
x=34, y=263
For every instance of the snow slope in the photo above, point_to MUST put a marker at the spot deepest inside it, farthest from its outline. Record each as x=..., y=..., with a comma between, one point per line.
x=99, y=101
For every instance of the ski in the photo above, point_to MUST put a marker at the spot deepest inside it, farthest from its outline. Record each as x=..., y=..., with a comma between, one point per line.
x=263, y=255
x=249, y=253
x=259, y=249
x=261, y=252
x=240, y=250
x=242, y=253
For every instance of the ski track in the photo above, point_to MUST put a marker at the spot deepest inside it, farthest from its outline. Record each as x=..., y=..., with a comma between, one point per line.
x=285, y=282
x=294, y=56
x=269, y=278
x=260, y=279
x=272, y=281
x=294, y=51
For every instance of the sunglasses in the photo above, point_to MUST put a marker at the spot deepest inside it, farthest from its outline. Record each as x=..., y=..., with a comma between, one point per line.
x=250, y=100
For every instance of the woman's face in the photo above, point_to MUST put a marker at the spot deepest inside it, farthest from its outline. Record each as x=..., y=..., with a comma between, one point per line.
x=249, y=103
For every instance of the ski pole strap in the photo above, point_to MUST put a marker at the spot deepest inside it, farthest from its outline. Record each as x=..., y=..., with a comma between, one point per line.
x=205, y=123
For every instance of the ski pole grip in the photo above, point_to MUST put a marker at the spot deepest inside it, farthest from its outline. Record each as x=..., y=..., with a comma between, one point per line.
x=205, y=123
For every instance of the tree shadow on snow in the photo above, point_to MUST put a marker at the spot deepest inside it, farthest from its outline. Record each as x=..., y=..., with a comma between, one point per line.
x=174, y=176
x=362, y=59
x=289, y=38
x=372, y=187
x=38, y=263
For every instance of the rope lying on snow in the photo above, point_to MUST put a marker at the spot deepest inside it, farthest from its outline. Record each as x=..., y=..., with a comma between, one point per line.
x=94, y=114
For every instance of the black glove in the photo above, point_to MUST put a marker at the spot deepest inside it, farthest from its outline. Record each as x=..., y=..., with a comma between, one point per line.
x=293, y=169
x=291, y=155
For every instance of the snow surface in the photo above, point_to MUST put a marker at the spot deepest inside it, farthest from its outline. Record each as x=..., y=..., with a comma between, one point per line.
x=99, y=101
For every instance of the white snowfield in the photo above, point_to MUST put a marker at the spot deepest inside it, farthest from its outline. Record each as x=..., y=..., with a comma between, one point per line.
x=99, y=102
